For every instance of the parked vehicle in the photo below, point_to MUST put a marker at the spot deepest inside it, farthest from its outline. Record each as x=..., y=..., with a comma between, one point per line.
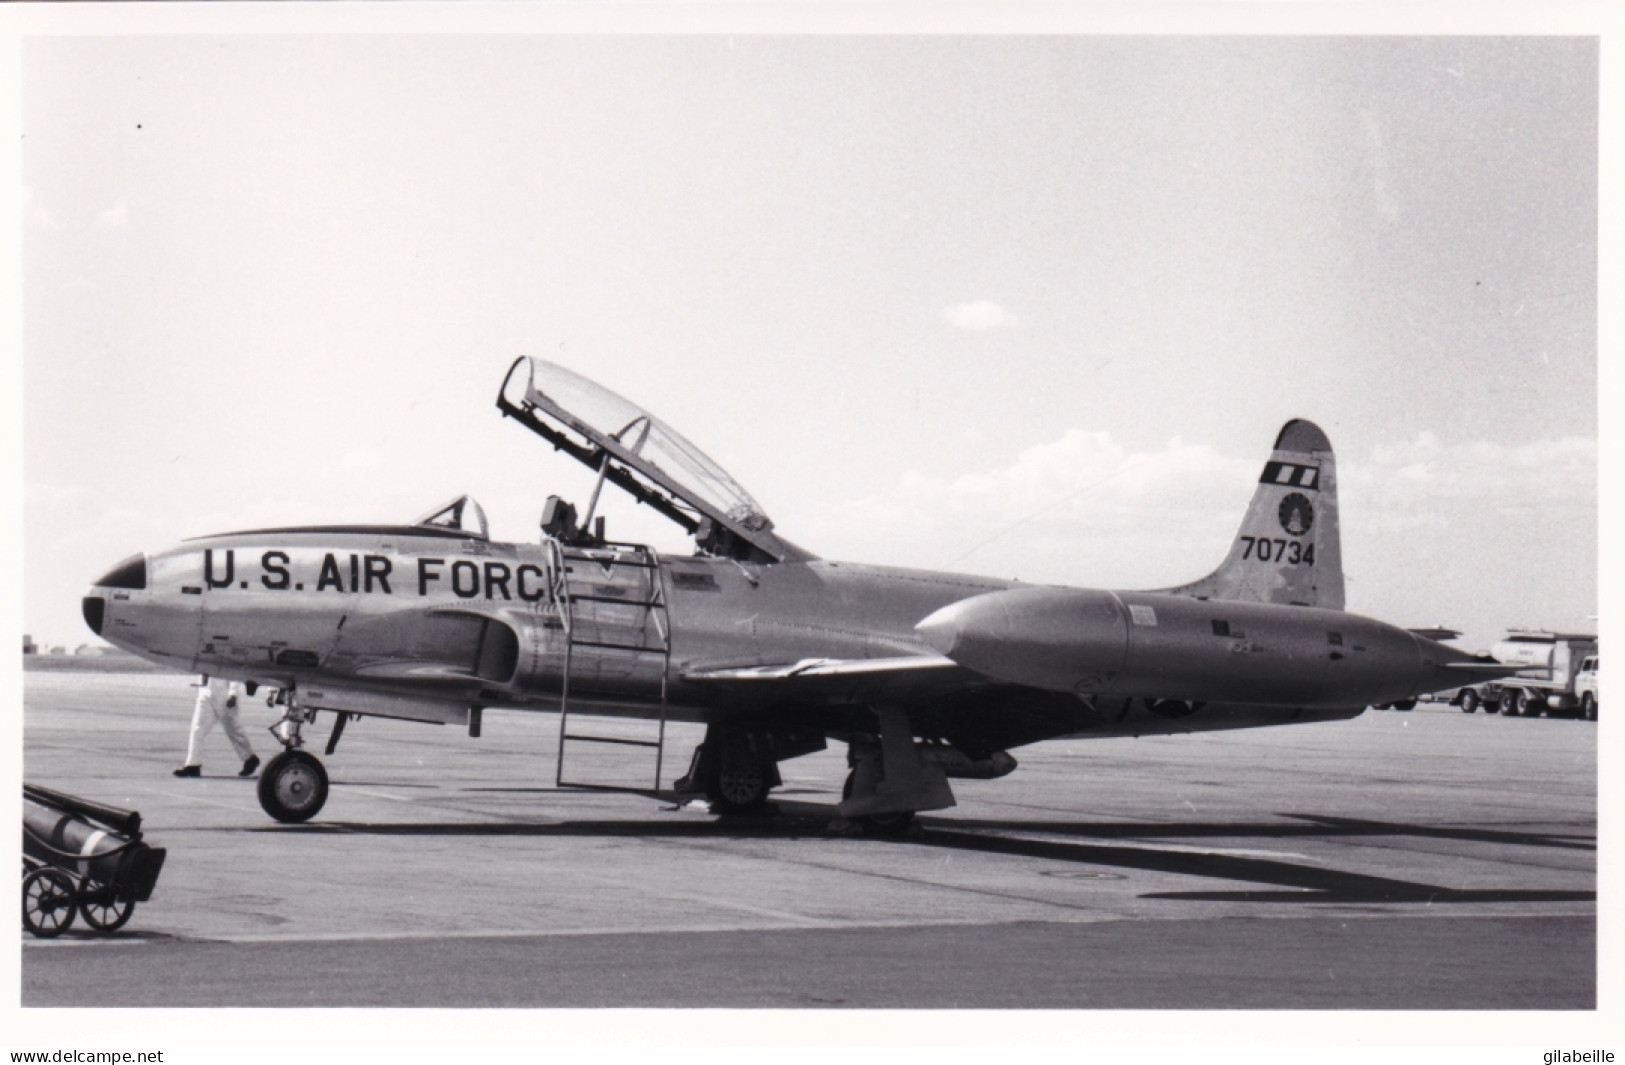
x=1554, y=682
x=1585, y=688
x=1546, y=684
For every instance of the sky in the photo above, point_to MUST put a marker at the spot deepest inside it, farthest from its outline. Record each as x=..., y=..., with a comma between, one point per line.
x=1025, y=306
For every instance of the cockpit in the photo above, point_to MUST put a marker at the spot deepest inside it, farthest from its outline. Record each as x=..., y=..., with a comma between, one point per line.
x=462, y=515
x=627, y=446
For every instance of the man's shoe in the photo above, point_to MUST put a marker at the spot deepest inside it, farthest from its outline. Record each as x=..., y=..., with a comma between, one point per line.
x=249, y=766
x=189, y=771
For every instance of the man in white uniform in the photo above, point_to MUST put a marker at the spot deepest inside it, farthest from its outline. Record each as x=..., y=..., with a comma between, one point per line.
x=217, y=701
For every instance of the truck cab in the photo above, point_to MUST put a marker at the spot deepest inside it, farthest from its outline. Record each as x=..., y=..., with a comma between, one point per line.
x=1585, y=687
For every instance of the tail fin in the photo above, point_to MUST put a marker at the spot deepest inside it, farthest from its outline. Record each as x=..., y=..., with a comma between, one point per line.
x=1288, y=549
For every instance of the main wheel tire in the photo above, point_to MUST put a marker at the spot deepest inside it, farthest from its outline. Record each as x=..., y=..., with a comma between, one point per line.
x=293, y=787
x=103, y=909
x=1527, y=706
x=1588, y=706
x=890, y=825
x=1509, y=703
x=1469, y=701
x=740, y=788
x=50, y=899
x=1405, y=705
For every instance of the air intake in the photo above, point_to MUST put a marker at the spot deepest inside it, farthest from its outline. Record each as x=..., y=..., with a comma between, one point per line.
x=94, y=605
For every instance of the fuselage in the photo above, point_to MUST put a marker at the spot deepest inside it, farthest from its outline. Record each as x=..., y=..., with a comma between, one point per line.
x=411, y=613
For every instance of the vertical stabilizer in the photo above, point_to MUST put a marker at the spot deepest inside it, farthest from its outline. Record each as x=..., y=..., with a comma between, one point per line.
x=1288, y=549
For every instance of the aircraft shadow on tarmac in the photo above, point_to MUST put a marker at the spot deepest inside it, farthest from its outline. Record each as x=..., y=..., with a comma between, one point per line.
x=1288, y=882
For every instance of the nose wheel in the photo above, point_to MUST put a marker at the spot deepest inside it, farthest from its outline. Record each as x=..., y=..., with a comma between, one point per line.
x=293, y=787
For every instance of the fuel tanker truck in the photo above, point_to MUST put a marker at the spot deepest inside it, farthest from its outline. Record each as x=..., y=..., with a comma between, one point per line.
x=1550, y=664
x=81, y=858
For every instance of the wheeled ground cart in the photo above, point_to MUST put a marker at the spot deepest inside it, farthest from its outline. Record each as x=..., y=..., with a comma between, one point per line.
x=81, y=858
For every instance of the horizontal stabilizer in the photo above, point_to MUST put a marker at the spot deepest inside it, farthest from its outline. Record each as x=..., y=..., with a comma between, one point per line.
x=1491, y=670
x=1436, y=633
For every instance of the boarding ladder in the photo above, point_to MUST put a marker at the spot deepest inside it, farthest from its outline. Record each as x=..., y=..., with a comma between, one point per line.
x=610, y=602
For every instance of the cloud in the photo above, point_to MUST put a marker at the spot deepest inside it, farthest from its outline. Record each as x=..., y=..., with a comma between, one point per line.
x=978, y=316
x=1085, y=509
x=1077, y=509
x=1412, y=481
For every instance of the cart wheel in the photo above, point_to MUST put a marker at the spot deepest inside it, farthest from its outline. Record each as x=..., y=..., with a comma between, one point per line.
x=103, y=909
x=50, y=900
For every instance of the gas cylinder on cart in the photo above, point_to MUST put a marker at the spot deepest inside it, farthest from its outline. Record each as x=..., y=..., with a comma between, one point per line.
x=98, y=843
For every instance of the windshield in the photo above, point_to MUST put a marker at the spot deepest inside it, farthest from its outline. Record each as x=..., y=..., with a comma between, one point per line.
x=597, y=412
x=462, y=515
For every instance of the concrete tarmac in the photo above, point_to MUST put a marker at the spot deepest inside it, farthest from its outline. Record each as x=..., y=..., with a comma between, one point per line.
x=1430, y=860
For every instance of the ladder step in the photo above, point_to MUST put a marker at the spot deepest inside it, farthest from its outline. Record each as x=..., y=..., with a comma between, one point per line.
x=614, y=599
x=618, y=646
x=613, y=563
x=611, y=739
x=581, y=785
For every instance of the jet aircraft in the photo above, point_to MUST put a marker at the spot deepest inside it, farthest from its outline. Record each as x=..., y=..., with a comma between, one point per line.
x=923, y=675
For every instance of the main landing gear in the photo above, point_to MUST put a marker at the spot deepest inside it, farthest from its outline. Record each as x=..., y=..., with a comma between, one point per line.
x=293, y=785
x=731, y=772
x=890, y=781
x=891, y=777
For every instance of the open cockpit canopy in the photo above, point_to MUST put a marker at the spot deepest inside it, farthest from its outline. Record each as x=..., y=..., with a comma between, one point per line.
x=643, y=455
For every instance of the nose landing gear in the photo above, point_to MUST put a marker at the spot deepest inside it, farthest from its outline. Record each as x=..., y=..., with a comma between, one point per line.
x=293, y=785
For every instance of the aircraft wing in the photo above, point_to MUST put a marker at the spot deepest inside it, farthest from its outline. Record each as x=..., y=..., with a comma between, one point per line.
x=975, y=712
x=845, y=679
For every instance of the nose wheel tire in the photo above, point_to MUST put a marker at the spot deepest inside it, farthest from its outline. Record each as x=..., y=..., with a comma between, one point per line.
x=50, y=899
x=740, y=788
x=293, y=787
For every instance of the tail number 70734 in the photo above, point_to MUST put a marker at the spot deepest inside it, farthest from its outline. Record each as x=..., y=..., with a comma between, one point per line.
x=1291, y=552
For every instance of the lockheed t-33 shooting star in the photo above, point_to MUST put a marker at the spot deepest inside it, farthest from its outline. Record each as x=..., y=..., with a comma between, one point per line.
x=923, y=675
